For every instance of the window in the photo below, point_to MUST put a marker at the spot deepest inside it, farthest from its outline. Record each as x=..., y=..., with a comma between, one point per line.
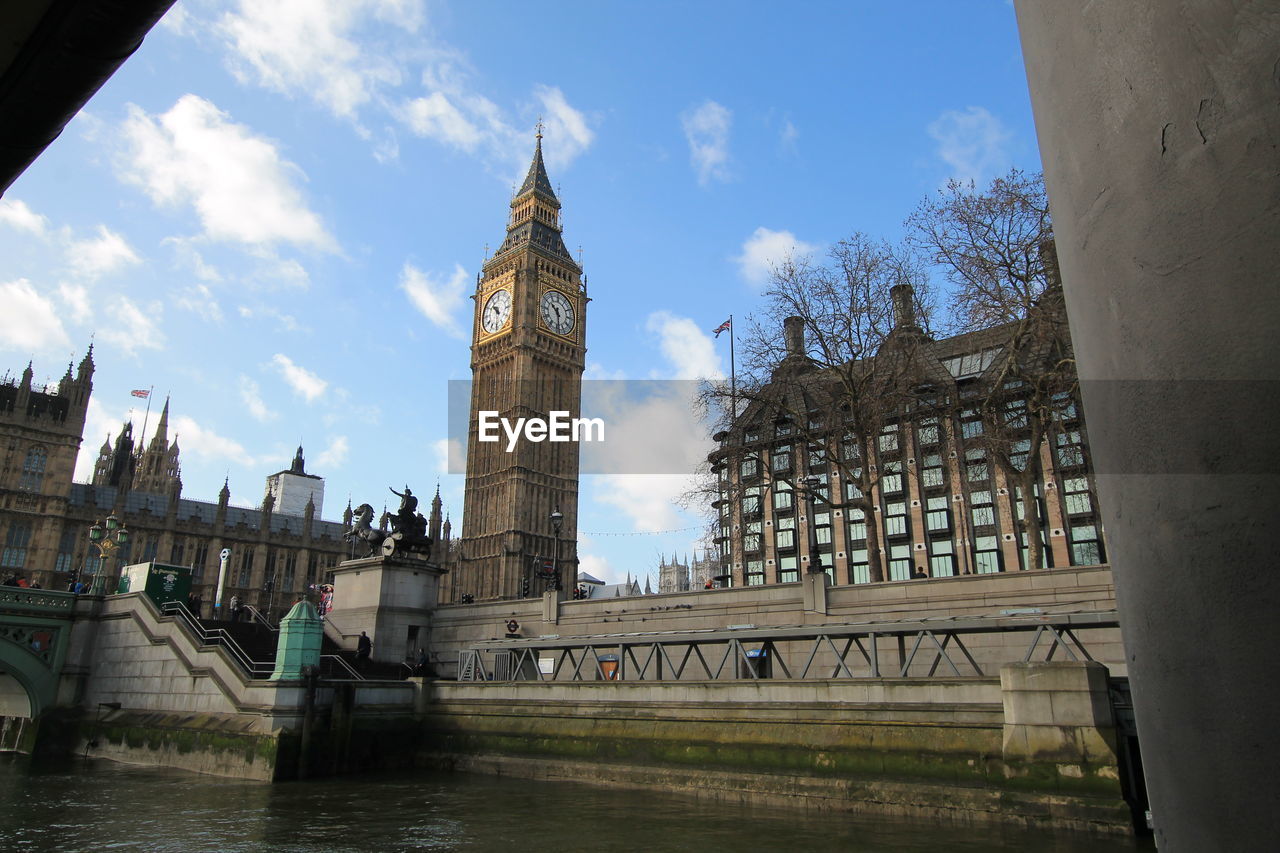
x=971, y=364
x=970, y=423
x=975, y=463
x=1015, y=414
x=201, y=557
x=314, y=559
x=66, y=551
x=749, y=468
x=1020, y=509
x=1019, y=452
x=857, y=526
x=751, y=536
x=817, y=456
x=822, y=489
x=938, y=514
x=889, y=439
x=290, y=571
x=177, y=552
x=783, y=496
x=751, y=436
x=1070, y=449
x=891, y=477
x=822, y=530
x=1026, y=551
x=986, y=555
x=984, y=514
x=1075, y=496
x=780, y=459
x=785, y=533
x=927, y=432
x=931, y=473
x=149, y=550
x=269, y=571
x=895, y=519
x=14, y=555
x=859, y=568
x=787, y=571
x=246, y=567
x=849, y=447
x=851, y=489
x=781, y=428
x=900, y=562
x=1086, y=545
x=1065, y=407
x=33, y=470
x=755, y=573
x=942, y=558
x=751, y=502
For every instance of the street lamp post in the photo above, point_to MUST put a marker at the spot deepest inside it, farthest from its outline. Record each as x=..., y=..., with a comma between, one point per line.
x=811, y=484
x=106, y=539
x=557, y=519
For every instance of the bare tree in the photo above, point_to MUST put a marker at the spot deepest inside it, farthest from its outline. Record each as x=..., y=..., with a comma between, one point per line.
x=831, y=360
x=996, y=249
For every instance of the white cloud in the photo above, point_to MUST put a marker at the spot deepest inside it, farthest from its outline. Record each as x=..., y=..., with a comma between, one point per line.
x=199, y=300
x=310, y=48
x=239, y=185
x=707, y=130
x=98, y=256
x=75, y=298
x=205, y=443
x=597, y=566
x=437, y=299
x=29, y=321
x=133, y=328
x=284, y=322
x=304, y=383
x=973, y=143
x=565, y=125
x=435, y=117
x=649, y=500
x=449, y=455
x=16, y=214
x=765, y=249
x=688, y=349
x=251, y=395
x=335, y=454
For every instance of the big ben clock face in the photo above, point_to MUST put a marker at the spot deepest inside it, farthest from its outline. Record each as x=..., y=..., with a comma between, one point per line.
x=496, y=311
x=557, y=312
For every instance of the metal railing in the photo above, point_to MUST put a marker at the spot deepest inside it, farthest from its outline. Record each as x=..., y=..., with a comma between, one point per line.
x=217, y=637
x=37, y=600
x=903, y=649
x=336, y=667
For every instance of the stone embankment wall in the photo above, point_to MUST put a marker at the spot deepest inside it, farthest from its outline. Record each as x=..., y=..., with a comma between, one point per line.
x=146, y=692
x=1037, y=751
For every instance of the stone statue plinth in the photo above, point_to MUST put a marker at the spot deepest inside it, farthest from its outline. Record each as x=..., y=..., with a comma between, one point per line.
x=388, y=597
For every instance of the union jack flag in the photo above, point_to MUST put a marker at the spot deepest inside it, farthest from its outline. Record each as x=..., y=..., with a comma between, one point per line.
x=724, y=327
x=143, y=394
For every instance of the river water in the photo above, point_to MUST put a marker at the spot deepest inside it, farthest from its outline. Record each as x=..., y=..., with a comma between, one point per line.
x=75, y=805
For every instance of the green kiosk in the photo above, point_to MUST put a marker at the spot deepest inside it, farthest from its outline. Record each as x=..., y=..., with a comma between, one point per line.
x=159, y=581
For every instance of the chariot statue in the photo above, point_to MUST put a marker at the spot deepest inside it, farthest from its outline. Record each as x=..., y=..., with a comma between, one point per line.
x=407, y=536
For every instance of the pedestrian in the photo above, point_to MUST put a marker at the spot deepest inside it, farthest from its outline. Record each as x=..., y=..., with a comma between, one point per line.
x=364, y=647
x=919, y=574
x=420, y=668
x=235, y=608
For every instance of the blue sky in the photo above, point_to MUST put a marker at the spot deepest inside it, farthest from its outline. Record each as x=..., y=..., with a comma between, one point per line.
x=274, y=212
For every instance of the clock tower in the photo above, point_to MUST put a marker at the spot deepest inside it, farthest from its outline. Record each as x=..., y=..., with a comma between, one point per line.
x=528, y=352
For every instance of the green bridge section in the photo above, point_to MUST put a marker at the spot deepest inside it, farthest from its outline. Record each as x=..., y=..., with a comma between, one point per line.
x=35, y=634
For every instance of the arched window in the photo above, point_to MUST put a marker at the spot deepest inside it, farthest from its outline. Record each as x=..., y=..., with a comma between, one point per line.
x=33, y=469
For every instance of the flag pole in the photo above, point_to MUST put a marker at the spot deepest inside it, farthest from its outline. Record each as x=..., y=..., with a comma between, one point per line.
x=143, y=438
x=733, y=375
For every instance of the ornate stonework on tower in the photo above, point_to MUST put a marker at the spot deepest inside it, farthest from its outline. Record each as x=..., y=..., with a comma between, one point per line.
x=527, y=356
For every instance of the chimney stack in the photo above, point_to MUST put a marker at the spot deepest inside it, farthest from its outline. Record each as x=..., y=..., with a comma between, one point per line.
x=793, y=334
x=904, y=309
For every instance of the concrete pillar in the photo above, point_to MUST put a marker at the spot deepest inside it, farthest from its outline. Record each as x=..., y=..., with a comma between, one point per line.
x=1158, y=128
x=301, y=634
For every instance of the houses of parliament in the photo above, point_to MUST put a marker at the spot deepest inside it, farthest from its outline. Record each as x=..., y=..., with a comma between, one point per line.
x=280, y=547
